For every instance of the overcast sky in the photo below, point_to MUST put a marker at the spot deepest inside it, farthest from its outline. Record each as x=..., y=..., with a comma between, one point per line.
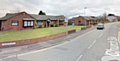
x=69, y=8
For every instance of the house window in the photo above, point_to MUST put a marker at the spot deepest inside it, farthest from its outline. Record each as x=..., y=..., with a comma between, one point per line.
x=52, y=22
x=79, y=21
x=14, y=23
x=61, y=22
x=39, y=22
x=28, y=23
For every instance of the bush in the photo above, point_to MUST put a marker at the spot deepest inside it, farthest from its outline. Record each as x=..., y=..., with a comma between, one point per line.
x=51, y=25
x=95, y=23
x=40, y=26
x=43, y=26
x=56, y=25
x=36, y=26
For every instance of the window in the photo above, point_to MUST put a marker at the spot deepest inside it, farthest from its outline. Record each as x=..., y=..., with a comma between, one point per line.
x=39, y=22
x=14, y=23
x=28, y=23
x=79, y=21
x=52, y=22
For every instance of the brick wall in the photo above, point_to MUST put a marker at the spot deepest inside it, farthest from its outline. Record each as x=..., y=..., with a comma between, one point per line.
x=30, y=41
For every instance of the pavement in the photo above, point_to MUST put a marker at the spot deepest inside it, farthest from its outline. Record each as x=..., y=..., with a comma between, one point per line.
x=87, y=45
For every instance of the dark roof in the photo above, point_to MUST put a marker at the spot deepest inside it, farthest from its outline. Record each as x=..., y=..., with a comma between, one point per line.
x=37, y=17
x=73, y=18
x=8, y=15
x=85, y=17
x=45, y=17
x=89, y=18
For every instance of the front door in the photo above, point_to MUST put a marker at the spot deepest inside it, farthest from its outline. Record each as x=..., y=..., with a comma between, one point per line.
x=48, y=24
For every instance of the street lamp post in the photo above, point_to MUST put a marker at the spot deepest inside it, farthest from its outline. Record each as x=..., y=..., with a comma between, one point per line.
x=66, y=23
x=85, y=15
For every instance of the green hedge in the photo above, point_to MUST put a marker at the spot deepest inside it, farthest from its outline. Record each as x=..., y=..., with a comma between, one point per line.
x=56, y=25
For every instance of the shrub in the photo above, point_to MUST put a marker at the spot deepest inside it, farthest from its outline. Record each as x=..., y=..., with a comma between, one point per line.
x=36, y=26
x=95, y=23
x=56, y=25
x=51, y=25
x=40, y=26
x=44, y=26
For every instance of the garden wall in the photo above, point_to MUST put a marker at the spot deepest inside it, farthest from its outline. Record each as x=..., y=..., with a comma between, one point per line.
x=30, y=41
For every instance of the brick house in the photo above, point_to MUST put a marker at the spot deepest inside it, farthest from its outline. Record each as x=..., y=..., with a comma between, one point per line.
x=24, y=21
x=44, y=20
x=81, y=20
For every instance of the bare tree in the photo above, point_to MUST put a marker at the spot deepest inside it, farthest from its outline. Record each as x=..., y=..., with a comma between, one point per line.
x=104, y=17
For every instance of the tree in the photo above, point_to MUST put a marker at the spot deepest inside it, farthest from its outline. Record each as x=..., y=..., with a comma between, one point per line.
x=102, y=18
x=111, y=15
x=93, y=16
x=42, y=13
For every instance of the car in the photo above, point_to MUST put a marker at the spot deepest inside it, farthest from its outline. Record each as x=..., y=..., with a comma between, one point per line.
x=100, y=26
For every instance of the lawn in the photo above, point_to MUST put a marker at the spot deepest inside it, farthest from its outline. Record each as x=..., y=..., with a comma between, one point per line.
x=40, y=32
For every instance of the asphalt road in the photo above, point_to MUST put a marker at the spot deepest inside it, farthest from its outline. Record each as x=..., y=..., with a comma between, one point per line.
x=94, y=45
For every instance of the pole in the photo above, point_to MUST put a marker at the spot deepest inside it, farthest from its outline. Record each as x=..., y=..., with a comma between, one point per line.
x=85, y=14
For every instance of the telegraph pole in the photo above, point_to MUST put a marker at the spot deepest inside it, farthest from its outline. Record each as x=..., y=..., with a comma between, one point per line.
x=85, y=15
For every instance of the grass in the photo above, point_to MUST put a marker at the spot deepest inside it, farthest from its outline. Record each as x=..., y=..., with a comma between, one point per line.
x=27, y=34
x=73, y=27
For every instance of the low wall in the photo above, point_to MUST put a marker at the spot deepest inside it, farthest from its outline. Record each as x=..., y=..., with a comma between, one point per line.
x=71, y=31
x=86, y=27
x=30, y=41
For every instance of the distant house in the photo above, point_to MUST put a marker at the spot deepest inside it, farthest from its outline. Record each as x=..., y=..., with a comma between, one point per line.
x=112, y=18
x=82, y=20
x=118, y=18
x=24, y=21
x=44, y=20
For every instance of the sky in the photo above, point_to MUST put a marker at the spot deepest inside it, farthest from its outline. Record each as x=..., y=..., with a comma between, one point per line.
x=68, y=8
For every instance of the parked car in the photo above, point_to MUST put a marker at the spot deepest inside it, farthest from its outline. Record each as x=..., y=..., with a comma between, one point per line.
x=100, y=26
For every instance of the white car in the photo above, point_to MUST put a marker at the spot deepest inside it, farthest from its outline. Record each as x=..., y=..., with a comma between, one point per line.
x=100, y=26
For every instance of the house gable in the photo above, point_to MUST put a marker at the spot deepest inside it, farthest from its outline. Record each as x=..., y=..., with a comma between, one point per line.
x=9, y=24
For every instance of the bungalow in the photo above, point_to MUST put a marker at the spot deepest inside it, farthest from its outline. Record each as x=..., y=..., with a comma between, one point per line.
x=24, y=21
x=82, y=20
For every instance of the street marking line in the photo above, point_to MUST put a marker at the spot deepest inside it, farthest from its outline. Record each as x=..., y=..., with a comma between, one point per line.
x=91, y=44
x=118, y=37
x=79, y=57
x=100, y=35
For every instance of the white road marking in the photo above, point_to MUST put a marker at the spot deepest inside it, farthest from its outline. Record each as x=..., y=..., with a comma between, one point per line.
x=118, y=37
x=91, y=44
x=79, y=57
x=100, y=35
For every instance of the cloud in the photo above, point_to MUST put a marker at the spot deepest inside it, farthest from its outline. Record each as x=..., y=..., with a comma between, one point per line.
x=68, y=8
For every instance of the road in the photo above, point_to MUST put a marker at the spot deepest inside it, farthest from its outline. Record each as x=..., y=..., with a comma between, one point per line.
x=94, y=45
